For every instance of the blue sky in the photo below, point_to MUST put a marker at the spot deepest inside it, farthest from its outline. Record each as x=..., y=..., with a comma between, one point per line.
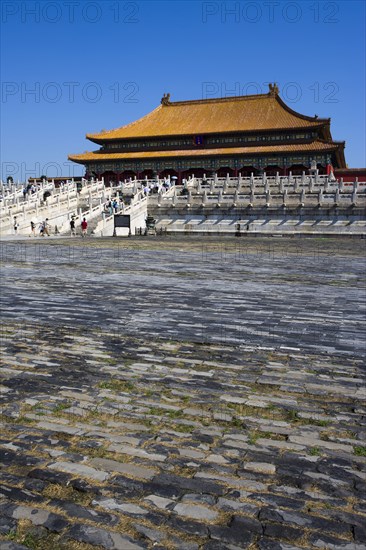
x=72, y=67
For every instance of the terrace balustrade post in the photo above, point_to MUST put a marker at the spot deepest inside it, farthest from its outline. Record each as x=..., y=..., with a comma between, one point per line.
x=219, y=198
x=236, y=198
x=354, y=197
x=189, y=198
x=336, y=198
x=320, y=197
x=268, y=198
x=302, y=198
x=284, y=197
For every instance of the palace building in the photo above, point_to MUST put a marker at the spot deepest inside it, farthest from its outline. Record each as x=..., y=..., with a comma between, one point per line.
x=245, y=134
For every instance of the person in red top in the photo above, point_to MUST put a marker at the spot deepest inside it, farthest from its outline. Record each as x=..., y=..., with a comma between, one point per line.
x=84, y=227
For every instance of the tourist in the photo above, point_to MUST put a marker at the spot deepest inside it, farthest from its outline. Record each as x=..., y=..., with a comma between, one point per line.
x=46, y=228
x=15, y=225
x=41, y=229
x=84, y=227
x=115, y=206
x=33, y=229
x=72, y=226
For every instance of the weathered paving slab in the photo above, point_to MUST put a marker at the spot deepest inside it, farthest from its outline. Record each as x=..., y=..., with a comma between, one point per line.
x=81, y=470
x=186, y=394
x=195, y=511
x=131, y=469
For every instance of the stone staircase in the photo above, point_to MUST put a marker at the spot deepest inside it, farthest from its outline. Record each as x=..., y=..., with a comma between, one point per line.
x=63, y=202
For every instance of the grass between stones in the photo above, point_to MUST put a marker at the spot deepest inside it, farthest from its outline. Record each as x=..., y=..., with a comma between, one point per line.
x=314, y=451
x=117, y=385
x=63, y=492
x=38, y=538
x=359, y=450
x=269, y=412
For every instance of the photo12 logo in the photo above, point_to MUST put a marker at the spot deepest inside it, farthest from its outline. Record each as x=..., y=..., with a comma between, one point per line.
x=291, y=92
x=69, y=92
x=69, y=12
x=270, y=12
x=22, y=171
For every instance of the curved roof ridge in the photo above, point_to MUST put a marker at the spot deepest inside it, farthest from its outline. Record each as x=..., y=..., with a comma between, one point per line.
x=129, y=125
x=299, y=115
x=217, y=99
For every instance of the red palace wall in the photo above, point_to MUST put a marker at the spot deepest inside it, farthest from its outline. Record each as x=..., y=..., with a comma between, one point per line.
x=350, y=174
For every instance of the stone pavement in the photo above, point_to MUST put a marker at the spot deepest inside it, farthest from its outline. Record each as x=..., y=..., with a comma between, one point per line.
x=183, y=394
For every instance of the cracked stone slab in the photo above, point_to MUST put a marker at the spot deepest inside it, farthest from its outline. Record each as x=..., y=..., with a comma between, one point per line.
x=141, y=453
x=260, y=467
x=195, y=511
x=123, y=467
x=107, y=539
x=126, y=507
x=312, y=442
x=79, y=469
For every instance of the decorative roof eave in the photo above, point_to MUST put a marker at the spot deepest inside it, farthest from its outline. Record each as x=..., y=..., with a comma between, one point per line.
x=318, y=121
x=325, y=132
x=315, y=147
x=339, y=153
x=331, y=142
x=316, y=126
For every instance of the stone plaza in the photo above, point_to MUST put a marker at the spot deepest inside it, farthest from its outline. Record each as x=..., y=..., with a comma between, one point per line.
x=187, y=392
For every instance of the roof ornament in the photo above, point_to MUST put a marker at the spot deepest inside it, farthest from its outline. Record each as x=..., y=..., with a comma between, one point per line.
x=165, y=100
x=273, y=89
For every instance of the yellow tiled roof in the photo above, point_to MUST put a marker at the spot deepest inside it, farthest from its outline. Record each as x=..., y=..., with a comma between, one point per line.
x=231, y=114
x=294, y=147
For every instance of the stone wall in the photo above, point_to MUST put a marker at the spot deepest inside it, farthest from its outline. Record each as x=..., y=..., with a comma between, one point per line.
x=304, y=204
